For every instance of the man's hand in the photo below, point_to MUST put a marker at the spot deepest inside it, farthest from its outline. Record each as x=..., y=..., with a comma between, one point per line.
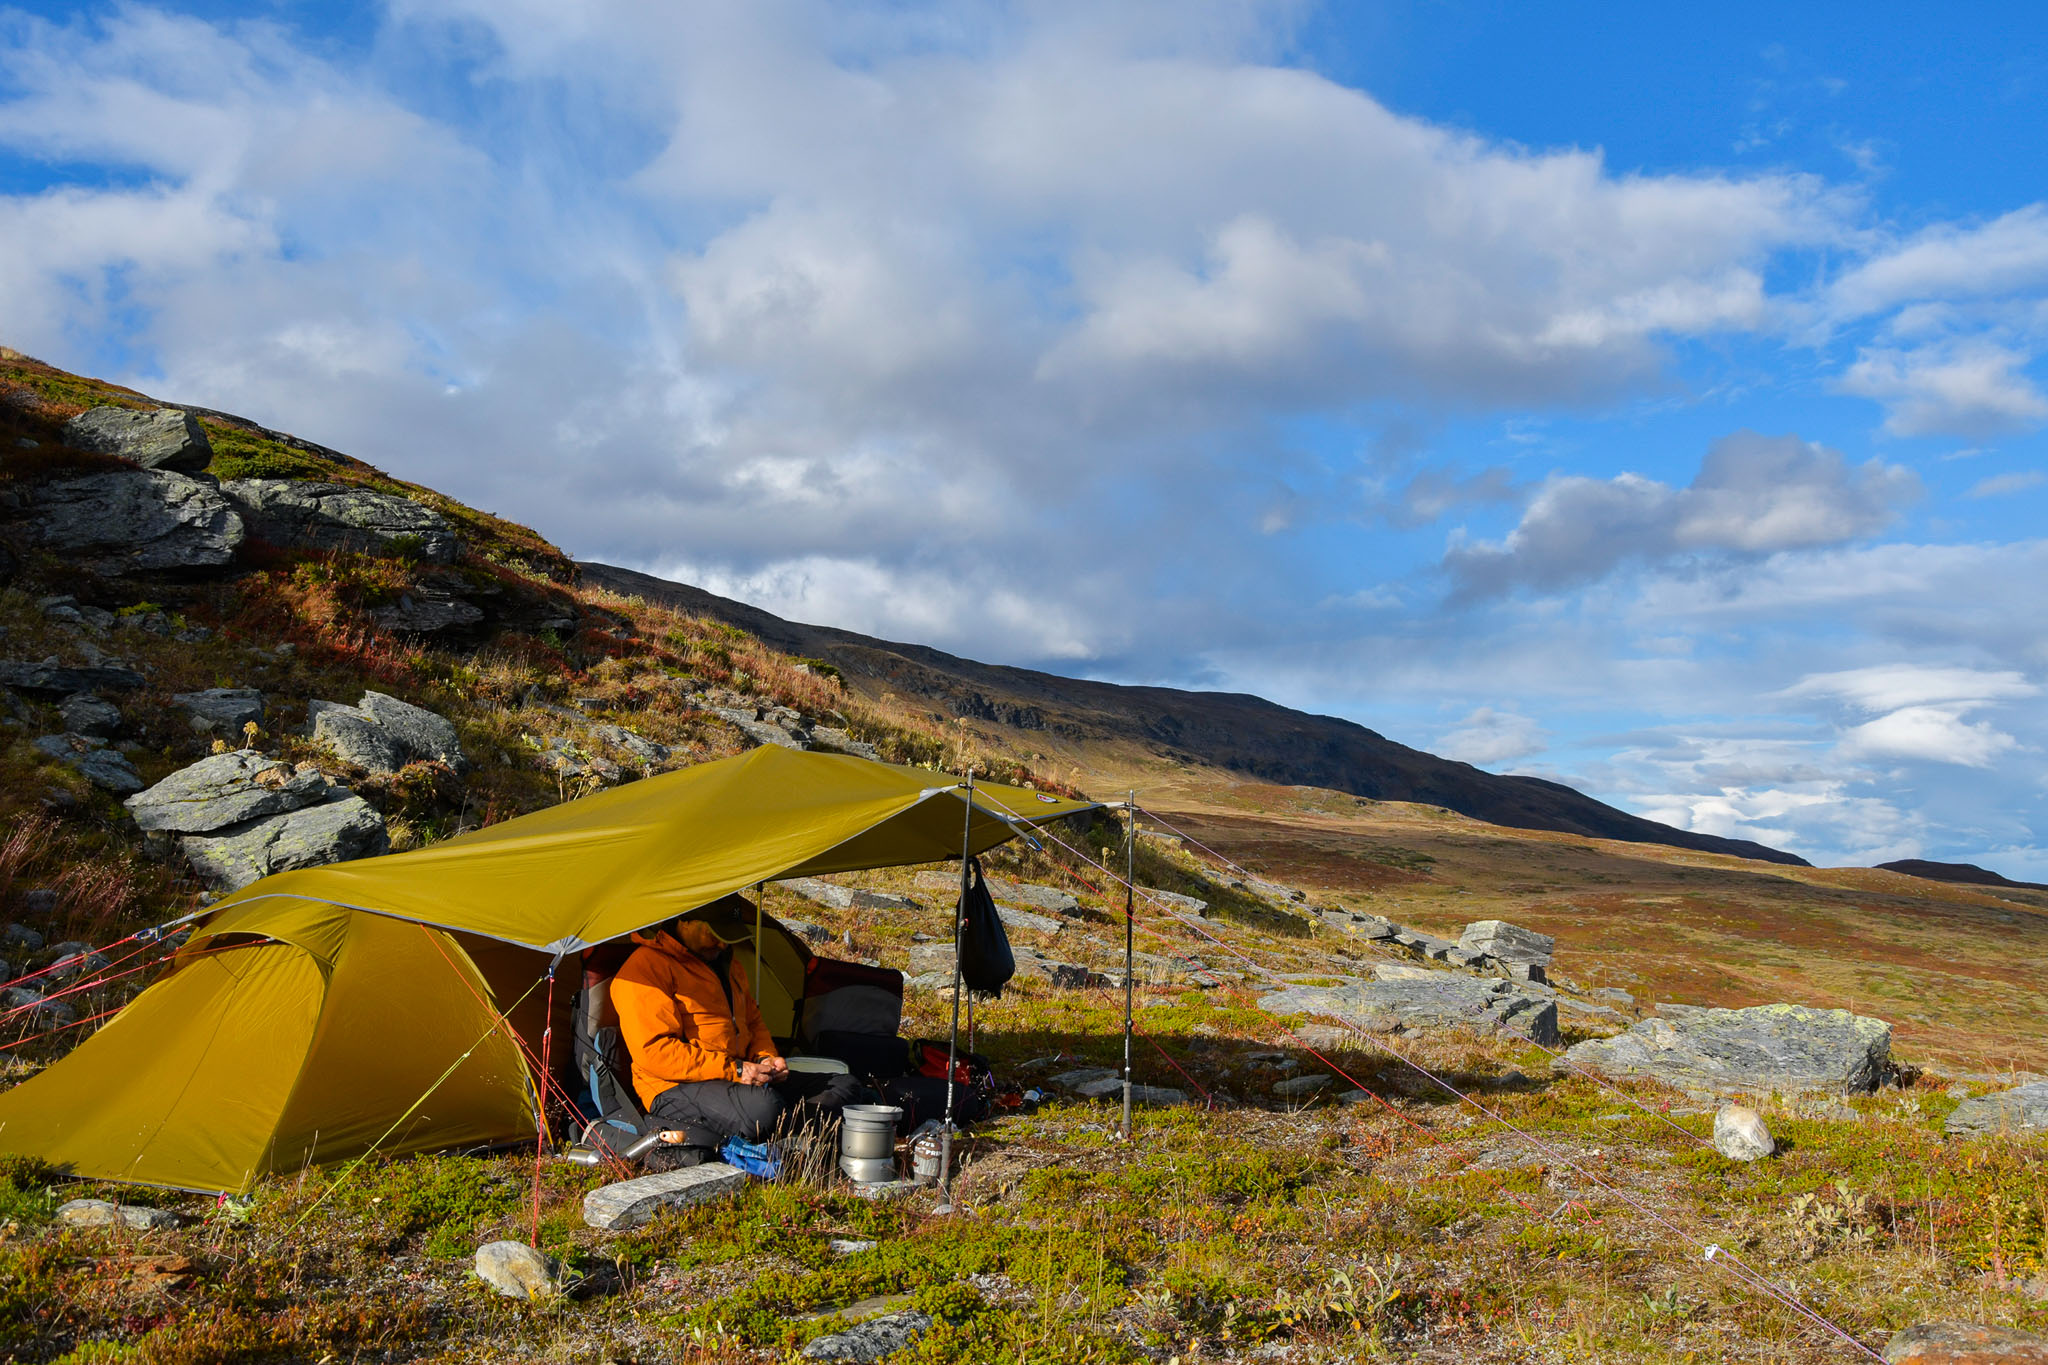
x=773, y=1068
x=752, y=1074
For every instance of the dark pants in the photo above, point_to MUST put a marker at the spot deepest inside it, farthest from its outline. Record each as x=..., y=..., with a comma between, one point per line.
x=709, y=1112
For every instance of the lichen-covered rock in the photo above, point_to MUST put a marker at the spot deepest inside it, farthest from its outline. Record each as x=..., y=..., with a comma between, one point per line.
x=101, y=1213
x=516, y=1270
x=873, y=1340
x=619, y=737
x=105, y=768
x=428, y=613
x=381, y=734
x=837, y=897
x=628, y=1204
x=1443, y=1000
x=335, y=832
x=1965, y=1343
x=1740, y=1134
x=2023, y=1109
x=1048, y=898
x=339, y=517
x=227, y=789
x=32, y=1003
x=222, y=710
x=138, y=521
x=165, y=438
x=1758, y=1050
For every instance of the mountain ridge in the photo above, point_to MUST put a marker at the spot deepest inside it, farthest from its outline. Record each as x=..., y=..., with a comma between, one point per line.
x=1239, y=732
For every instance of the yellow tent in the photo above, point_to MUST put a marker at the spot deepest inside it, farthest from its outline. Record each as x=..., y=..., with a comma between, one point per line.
x=322, y=1013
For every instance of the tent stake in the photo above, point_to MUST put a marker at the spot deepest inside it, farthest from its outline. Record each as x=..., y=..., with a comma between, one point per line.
x=1130, y=930
x=953, y=1039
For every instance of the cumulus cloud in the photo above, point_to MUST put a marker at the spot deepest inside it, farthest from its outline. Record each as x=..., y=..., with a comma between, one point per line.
x=1884, y=687
x=1972, y=389
x=1949, y=261
x=2002, y=485
x=1753, y=495
x=1935, y=734
x=1489, y=737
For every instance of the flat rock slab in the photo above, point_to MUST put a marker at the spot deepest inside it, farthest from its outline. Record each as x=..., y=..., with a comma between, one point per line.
x=336, y=831
x=1112, y=1088
x=1759, y=1050
x=1507, y=942
x=51, y=682
x=101, y=1213
x=1966, y=1343
x=166, y=438
x=836, y=897
x=1024, y=919
x=138, y=521
x=630, y=1203
x=339, y=517
x=1299, y=1087
x=2023, y=1109
x=1447, y=1001
x=225, y=789
x=876, y=1339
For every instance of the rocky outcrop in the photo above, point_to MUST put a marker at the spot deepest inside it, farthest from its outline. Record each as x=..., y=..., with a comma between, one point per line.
x=49, y=680
x=105, y=768
x=629, y=1204
x=339, y=517
x=1965, y=1343
x=381, y=734
x=222, y=710
x=1765, y=1048
x=101, y=1213
x=877, y=1339
x=138, y=521
x=340, y=829
x=2023, y=1109
x=166, y=438
x=1506, y=942
x=85, y=714
x=1443, y=1000
x=239, y=816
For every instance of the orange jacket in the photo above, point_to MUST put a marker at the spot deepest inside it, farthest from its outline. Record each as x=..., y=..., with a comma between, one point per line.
x=675, y=1020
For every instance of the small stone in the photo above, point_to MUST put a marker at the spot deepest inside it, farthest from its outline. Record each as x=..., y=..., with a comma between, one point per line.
x=32, y=1003
x=1965, y=1343
x=222, y=710
x=844, y=1246
x=1740, y=1134
x=1613, y=995
x=72, y=958
x=516, y=1270
x=1112, y=1088
x=1087, y=1075
x=873, y=1340
x=22, y=937
x=1300, y=1087
x=101, y=1213
x=629, y=1204
x=39, y=900
x=85, y=714
x=103, y=767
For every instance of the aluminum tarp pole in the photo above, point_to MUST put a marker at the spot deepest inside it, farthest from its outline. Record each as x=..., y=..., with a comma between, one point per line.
x=953, y=1039
x=1130, y=930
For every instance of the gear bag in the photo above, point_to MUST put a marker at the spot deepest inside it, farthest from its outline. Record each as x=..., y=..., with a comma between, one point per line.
x=986, y=962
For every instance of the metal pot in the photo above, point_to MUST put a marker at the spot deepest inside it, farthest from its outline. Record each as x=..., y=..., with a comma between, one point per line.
x=868, y=1170
x=867, y=1132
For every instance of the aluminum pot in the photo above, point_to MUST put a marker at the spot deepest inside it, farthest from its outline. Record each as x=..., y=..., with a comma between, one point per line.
x=867, y=1132
x=868, y=1170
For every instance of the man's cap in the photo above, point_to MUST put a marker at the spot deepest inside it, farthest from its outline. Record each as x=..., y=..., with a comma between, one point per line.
x=730, y=918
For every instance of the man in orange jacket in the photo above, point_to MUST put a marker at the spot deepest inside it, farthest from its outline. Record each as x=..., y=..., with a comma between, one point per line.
x=703, y=1062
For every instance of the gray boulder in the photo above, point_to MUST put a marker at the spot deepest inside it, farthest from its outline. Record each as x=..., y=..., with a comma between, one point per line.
x=873, y=1340
x=836, y=897
x=1965, y=1343
x=338, y=517
x=73, y=958
x=1111, y=1087
x=163, y=439
x=1446, y=1001
x=1506, y=942
x=1301, y=1087
x=223, y=790
x=1740, y=1134
x=101, y=1213
x=1758, y=1050
x=222, y=710
x=85, y=714
x=619, y=737
x=1049, y=898
x=106, y=768
x=1024, y=919
x=2020, y=1110
x=32, y=1003
x=335, y=832
x=51, y=681
x=840, y=741
x=20, y=936
x=1173, y=900
x=138, y=521
x=423, y=613
x=516, y=1270
x=381, y=734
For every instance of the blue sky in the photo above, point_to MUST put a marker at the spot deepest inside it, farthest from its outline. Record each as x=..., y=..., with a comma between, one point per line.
x=1649, y=400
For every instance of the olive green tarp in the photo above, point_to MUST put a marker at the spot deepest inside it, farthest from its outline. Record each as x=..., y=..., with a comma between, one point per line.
x=323, y=1013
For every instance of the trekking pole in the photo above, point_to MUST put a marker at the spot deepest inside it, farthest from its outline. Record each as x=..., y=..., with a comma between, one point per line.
x=953, y=1039
x=1130, y=929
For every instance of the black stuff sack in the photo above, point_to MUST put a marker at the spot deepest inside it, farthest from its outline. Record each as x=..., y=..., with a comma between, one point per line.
x=986, y=962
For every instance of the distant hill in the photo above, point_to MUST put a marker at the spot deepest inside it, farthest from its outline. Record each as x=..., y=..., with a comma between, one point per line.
x=1968, y=874
x=1242, y=734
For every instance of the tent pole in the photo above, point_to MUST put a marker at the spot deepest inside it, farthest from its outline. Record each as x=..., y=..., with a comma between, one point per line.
x=1130, y=931
x=760, y=895
x=953, y=1039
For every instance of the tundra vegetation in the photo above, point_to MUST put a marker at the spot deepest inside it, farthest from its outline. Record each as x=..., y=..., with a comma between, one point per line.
x=1407, y=1224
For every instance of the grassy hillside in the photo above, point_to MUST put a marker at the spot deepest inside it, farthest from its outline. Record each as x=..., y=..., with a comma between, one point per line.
x=1246, y=1224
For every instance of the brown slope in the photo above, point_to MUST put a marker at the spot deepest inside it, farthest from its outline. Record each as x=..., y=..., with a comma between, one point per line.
x=1243, y=734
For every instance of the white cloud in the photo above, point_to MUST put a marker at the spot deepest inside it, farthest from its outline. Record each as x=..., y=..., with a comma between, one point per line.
x=1936, y=734
x=1489, y=738
x=1754, y=495
x=2003, y=485
x=1949, y=261
x=1885, y=687
x=1971, y=389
